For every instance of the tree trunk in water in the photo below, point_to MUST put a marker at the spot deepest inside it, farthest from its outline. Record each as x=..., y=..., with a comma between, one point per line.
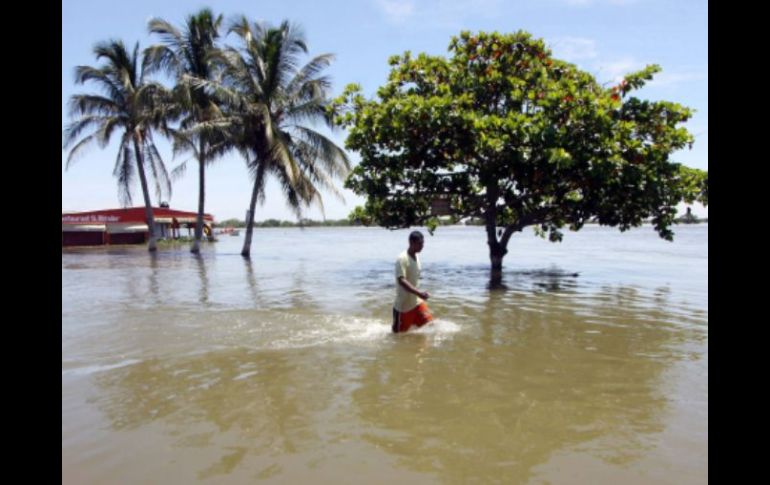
x=196, y=247
x=152, y=245
x=496, y=250
x=497, y=261
x=246, y=251
x=496, y=273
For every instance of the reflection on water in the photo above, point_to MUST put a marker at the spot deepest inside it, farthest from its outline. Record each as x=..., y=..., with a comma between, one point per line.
x=283, y=367
x=204, y=285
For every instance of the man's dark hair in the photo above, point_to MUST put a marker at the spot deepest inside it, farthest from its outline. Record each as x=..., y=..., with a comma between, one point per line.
x=415, y=236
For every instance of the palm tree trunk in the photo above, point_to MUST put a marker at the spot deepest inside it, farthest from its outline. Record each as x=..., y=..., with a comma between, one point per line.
x=196, y=247
x=246, y=251
x=152, y=245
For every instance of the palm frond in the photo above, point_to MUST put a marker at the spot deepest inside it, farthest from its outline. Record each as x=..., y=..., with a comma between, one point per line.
x=124, y=171
x=331, y=157
x=105, y=82
x=73, y=130
x=160, y=174
x=309, y=72
x=107, y=128
x=159, y=58
x=179, y=171
x=88, y=104
x=169, y=35
x=78, y=150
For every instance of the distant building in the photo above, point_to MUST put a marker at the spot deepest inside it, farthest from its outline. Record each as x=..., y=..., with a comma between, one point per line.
x=126, y=226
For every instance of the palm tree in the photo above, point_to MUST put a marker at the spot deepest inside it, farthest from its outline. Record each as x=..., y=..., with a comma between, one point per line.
x=186, y=54
x=129, y=105
x=271, y=99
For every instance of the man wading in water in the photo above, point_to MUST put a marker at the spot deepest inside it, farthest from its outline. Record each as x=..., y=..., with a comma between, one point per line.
x=410, y=308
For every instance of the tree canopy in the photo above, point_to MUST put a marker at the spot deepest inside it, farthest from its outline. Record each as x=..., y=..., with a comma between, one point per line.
x=503, y=131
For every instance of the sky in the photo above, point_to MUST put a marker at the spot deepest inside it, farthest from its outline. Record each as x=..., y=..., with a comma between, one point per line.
x=608, y=38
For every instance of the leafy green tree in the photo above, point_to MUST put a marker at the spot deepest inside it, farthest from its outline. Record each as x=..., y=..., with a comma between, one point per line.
x=502, y=131
x=359, y=216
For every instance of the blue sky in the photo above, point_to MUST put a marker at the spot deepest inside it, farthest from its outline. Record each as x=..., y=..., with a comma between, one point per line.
x=605, y=37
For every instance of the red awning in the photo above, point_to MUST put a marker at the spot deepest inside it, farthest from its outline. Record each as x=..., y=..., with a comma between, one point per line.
x=128, y=215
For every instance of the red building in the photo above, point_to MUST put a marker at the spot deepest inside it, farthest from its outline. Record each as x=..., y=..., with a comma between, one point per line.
x=126, y=226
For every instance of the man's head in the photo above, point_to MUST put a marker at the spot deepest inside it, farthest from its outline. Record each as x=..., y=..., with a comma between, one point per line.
x=416, y=241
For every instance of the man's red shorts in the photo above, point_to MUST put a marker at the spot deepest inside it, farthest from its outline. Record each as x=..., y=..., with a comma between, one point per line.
x=416, y=317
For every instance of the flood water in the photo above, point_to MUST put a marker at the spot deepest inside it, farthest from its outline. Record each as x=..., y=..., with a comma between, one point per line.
x=589, y=365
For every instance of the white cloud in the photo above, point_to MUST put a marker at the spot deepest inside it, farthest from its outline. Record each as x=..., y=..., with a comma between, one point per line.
x=615, y=71
x=588, y=3
x=437, y=12
x=397, y=10
x=467, y=6
x=666, y=79
x=574, y=49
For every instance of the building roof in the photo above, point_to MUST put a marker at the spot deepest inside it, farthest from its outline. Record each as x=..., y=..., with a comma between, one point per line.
x=130, y=215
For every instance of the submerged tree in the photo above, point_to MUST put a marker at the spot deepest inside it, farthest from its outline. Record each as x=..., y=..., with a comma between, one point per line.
x=502, y=131
x=273, y=102
x=187, y=55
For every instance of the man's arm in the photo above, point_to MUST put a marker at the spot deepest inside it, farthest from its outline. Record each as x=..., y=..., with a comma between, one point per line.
x=405, y=284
